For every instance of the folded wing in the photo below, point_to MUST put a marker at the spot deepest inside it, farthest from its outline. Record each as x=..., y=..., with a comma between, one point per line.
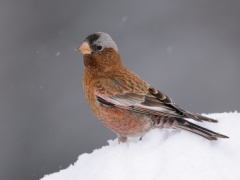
x=151, y=101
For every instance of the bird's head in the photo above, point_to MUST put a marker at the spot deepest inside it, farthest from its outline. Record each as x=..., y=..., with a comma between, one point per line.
x=99, y=51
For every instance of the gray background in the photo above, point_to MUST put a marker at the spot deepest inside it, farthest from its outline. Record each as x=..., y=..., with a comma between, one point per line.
x=189, y=49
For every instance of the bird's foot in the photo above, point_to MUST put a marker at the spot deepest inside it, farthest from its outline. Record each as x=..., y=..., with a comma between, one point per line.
x=122, y=139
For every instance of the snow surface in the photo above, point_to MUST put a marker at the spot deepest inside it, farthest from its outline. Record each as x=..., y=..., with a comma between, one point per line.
x=164, y=155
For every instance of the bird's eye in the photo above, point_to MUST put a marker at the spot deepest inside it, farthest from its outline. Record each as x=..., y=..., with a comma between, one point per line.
x=99, y=48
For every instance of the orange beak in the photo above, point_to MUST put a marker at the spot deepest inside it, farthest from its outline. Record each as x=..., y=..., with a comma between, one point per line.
x=84, y=48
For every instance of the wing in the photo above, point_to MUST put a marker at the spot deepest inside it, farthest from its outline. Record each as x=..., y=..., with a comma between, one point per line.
x=147, y=100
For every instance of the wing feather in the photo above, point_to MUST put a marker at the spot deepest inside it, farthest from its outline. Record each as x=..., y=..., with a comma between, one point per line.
x=151, y=101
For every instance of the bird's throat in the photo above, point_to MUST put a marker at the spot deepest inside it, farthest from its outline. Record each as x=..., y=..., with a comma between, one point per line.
x=102, y=63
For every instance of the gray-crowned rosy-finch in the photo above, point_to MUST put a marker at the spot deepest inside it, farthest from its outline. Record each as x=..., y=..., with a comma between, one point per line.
x=123, y=101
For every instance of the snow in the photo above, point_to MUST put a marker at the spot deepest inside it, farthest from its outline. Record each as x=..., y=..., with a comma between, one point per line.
x=124, y=19
x=164, y=155
x=58, y=53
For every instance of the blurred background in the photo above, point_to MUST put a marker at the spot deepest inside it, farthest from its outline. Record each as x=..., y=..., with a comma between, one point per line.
x=188, y=49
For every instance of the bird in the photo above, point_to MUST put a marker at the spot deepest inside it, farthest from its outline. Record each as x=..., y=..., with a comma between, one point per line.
x=124, y=102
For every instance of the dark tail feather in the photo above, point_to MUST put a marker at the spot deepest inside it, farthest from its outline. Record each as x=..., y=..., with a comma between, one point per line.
x=199, y=117
x=211, y=135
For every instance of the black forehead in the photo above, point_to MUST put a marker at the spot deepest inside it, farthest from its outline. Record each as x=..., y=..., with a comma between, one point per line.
x=92, y=38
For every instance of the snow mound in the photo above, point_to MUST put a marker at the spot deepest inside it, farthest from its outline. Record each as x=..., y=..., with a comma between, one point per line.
x=164, y=154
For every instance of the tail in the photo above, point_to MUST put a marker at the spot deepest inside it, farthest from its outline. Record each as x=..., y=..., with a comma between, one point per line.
x=199, y=117
x=206, y=133
x=166, y=122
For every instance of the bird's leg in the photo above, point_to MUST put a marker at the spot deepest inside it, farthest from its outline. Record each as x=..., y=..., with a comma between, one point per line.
x=122, y=139
x=140, y=138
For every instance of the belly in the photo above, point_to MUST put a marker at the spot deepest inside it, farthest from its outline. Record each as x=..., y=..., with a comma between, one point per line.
x=124, y=122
